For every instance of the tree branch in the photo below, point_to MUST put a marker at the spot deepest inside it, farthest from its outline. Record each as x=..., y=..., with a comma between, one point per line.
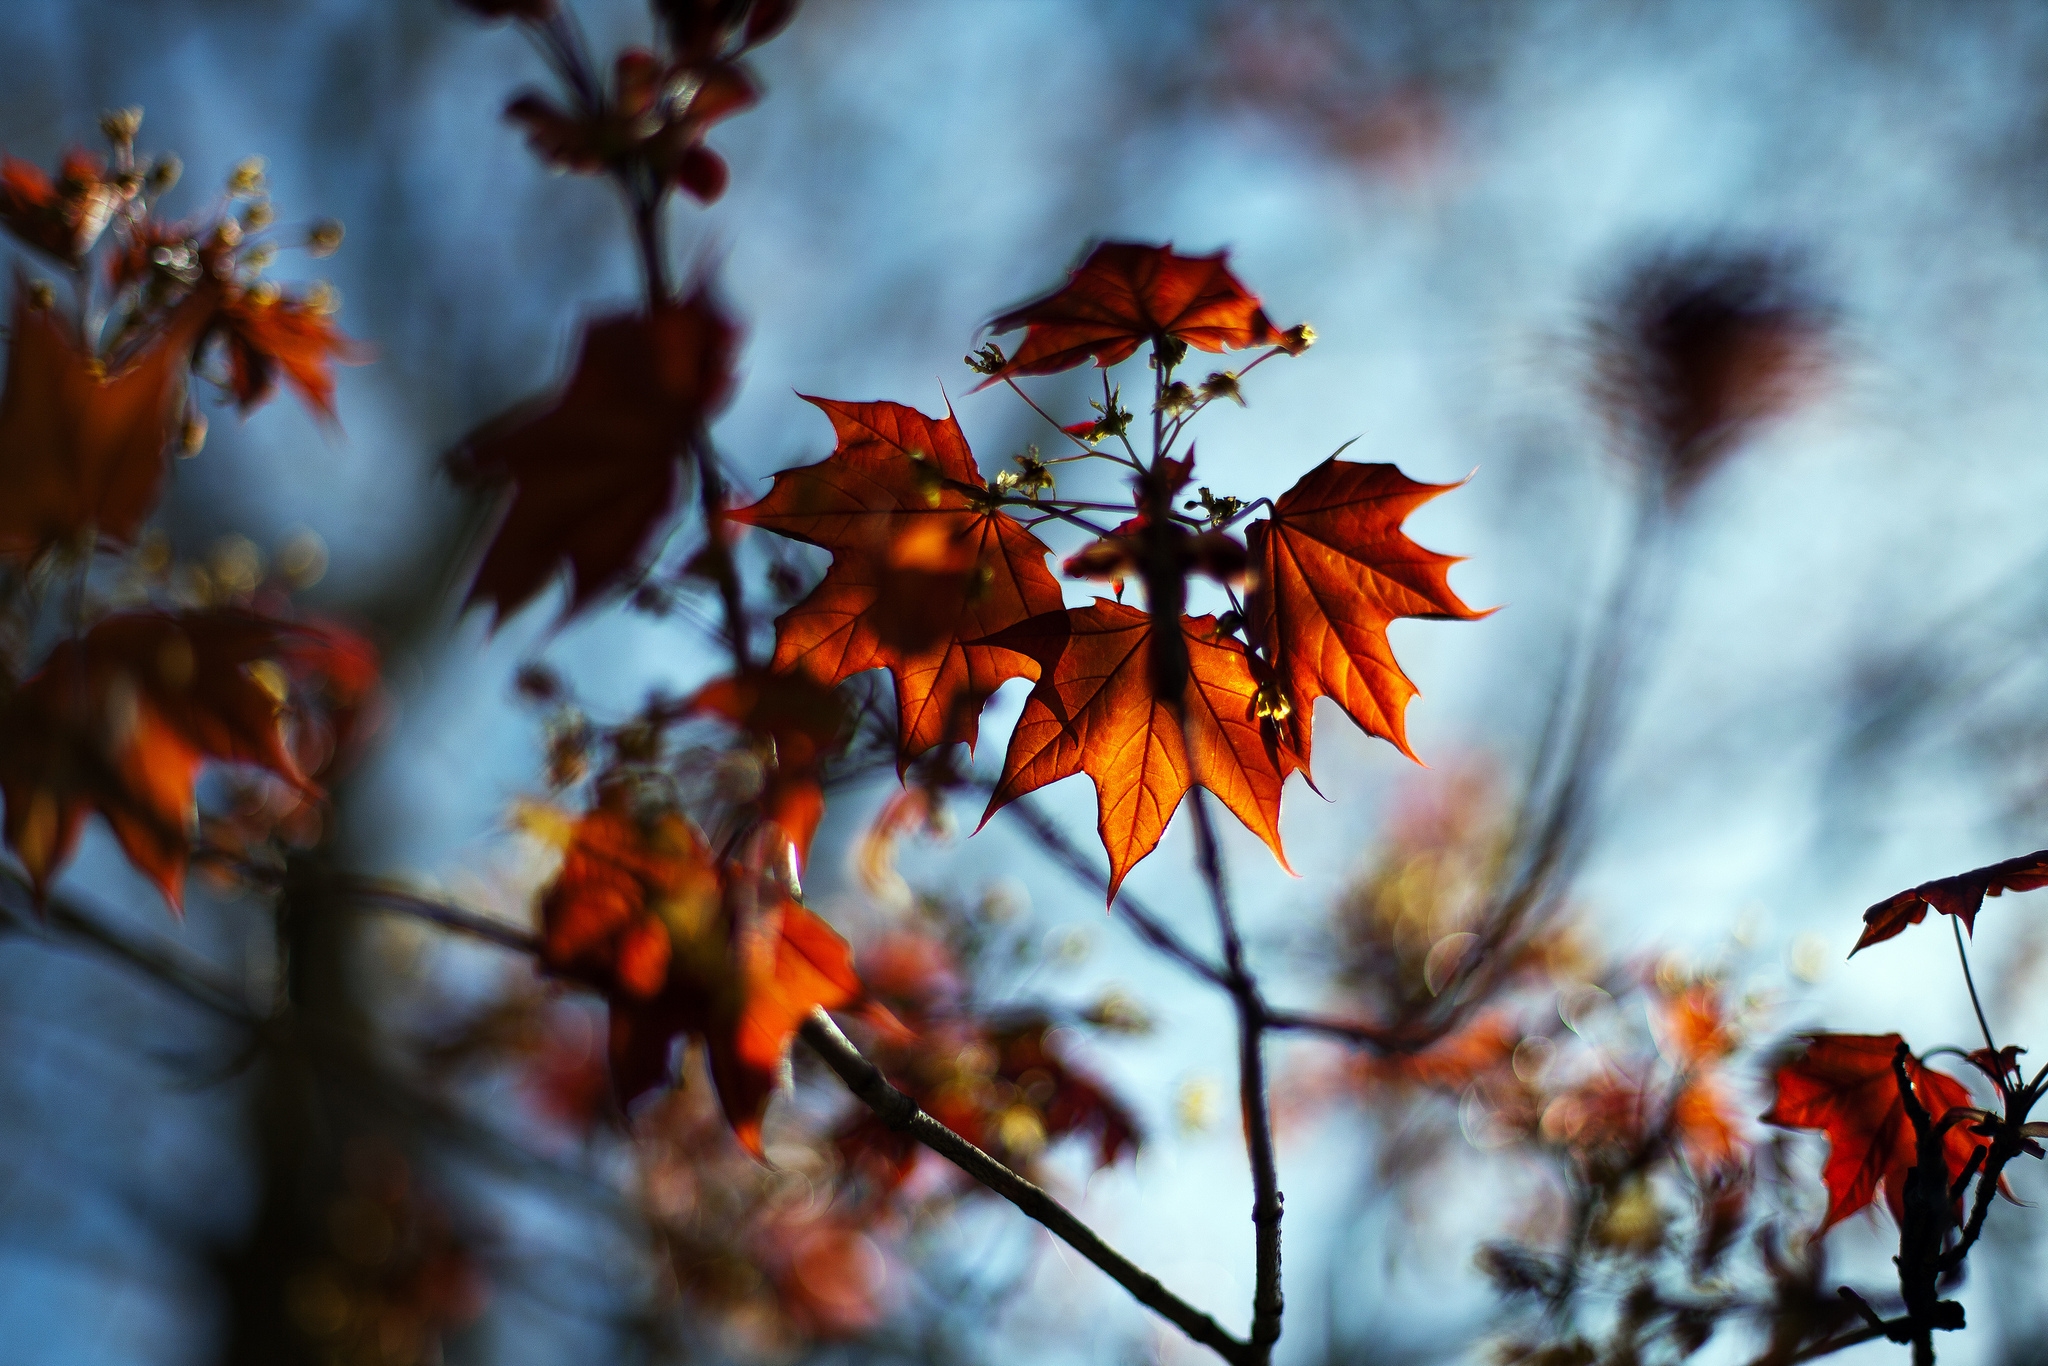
x=1148, y=926
x=1268, y=1302
x=903, y=1114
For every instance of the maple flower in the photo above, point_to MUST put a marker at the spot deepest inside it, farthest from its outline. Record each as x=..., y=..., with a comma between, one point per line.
x=656, y=115
x=1125, y=295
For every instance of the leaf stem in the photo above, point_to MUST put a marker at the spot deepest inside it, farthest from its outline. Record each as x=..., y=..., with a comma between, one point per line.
x=1969, y=979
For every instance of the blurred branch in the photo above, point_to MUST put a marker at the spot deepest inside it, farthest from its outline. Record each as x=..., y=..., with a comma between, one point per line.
x=196, y=979
x=372, y=892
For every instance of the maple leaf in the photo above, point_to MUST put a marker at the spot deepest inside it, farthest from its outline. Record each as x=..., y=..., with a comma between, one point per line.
x=1125, y=295
x=594, y=474
x=265, y=331
x=84, y=446
x=798, y=725
x=1332, y=568
x=1843, y=1085
x=63, y=217
x=922, y=574
x=122, y=719
x=678, y=945
x=1093, y=711
x=1961, y=895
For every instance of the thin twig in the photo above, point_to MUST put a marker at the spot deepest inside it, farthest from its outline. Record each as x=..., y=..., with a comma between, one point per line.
x=1148, y=926
x=371, y=892
x=903, y=1115
x=1267, y=1299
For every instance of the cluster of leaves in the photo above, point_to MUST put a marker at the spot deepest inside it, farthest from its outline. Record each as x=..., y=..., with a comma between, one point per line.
x=817, y=1242
x=935, y=578
x=121, y=683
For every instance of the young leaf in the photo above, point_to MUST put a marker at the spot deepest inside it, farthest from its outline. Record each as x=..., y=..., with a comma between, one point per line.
x=1843, y=1085
x=84, y=447
x=593, y=475
x=1093, y=712
x=1125, y=295
x=1332, y=568
x=1961, y=896
x=921, y=574
x=121, y=720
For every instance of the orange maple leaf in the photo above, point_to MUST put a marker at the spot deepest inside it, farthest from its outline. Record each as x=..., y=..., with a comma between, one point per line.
x=84, y=446
x=1961, y=896
x=1127, y=294
x=1332, y=568
x=921, y=574
x=642, y=912
x=121, y=720
x=265, y=331
x=1093, y=711
x=594, y=474
x=1843, y=1085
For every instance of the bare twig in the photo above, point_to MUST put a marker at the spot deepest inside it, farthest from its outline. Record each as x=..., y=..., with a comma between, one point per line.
x=1148, y=926
x=903, y=1114
x=1267, y=1299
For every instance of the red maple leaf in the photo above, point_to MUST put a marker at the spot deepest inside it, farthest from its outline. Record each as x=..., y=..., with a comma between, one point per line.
x=1093, y=711
x=593, y=475
x=921, y=573
x=85, y=444
x=63, y=217
x=121, y=720
x=1961, y=896
x=1127, y=294
x=1331, y=568
x=642, y=912
x=265, y=331
x=1843, y=1085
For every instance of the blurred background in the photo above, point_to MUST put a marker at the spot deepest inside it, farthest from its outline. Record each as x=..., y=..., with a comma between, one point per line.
x=1835, y=689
